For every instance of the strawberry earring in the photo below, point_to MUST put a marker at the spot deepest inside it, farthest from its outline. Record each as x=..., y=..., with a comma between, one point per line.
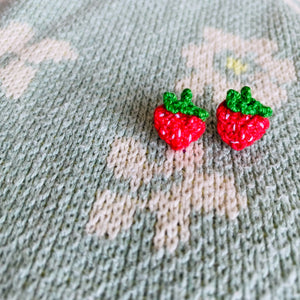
x=179, y=122
x=241, y=119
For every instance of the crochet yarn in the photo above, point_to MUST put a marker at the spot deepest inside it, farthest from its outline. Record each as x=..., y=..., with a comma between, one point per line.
x=247, y=105
x=179, y=123
x=185, y=104
x=239, y=130
x=241, y=119
x=178, y=130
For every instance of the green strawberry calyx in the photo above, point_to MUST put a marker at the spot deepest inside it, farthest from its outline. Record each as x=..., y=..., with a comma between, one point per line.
x=184, y=105
x=244, y=103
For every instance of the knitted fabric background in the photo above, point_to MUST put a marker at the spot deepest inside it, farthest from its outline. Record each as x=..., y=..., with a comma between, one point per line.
x=93, y=204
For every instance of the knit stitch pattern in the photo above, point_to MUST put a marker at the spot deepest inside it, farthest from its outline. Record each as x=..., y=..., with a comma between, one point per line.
x=93, y=204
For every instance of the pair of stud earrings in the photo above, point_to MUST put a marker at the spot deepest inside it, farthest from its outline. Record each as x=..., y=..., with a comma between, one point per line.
x=241, y=120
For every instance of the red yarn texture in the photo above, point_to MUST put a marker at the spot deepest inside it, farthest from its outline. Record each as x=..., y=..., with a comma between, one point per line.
x=239, y=130
x=178, y=130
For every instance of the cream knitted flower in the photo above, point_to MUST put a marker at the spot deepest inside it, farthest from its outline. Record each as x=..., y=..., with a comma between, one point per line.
x=226, y=61
x=21, y=68
x=198, y=191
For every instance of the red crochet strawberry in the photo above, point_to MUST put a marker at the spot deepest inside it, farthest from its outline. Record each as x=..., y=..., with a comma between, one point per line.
x=241, y=119
x=179, y=122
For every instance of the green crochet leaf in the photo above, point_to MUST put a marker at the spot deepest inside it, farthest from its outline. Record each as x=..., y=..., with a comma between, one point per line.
x=184, y=105
x=244, y=103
